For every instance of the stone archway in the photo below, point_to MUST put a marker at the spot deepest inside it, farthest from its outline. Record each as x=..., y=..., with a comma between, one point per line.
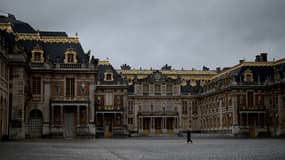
x=35, y=124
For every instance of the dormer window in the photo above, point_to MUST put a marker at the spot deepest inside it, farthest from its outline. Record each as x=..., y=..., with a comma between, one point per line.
x=70, y=56
x=108, y=76
x=37, y=55
x=248, y=76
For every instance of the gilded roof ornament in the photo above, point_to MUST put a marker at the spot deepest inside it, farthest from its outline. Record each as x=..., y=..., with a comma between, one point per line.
x=104, y=62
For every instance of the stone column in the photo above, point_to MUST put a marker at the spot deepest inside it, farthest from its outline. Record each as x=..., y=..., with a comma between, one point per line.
x=151, y=127
x=61, y=116
x=221, y=114
x=281, y=119
x=258, y=120
x=52, y=115
x=87, y=114
x=103, y=120
x=247, y=119
x=115, y=120
x=235, y=125
x=78, y=116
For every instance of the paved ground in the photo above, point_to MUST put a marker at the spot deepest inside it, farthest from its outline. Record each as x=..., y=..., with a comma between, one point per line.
x=143, y=148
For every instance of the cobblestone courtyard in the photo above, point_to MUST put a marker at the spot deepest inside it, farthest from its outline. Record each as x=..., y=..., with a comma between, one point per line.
x=143, y=148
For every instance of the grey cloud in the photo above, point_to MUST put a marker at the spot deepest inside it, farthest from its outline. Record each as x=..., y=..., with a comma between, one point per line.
x=151, y=33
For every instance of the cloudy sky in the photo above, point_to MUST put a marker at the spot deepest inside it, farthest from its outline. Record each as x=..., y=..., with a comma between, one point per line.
x=151, y=33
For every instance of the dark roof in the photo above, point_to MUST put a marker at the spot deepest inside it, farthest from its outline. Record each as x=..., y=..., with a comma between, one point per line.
x=260, y=73
x=46, y=33
x=151, y=79
x=193, y=90
x=102, y=68
x=54, y=52
x=22, y=27
x=4, y=19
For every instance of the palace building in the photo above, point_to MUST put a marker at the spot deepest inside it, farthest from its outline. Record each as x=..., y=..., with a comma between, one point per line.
x=50, y=87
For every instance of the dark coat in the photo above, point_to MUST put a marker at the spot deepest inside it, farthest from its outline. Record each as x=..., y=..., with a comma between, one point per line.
x=188, y=136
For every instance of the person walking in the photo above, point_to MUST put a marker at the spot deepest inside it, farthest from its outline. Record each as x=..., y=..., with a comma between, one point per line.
x=189, y=136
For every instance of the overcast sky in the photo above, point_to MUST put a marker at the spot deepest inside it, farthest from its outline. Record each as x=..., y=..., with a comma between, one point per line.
x=151, y=33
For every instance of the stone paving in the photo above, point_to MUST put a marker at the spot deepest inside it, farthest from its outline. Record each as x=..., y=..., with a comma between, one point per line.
x=144, y=148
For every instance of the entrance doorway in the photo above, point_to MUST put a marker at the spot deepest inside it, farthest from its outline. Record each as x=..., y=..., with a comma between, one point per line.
x=146, y=126
x=108, y=126
x=69, y=123
x=169, y=125
x=35, y=124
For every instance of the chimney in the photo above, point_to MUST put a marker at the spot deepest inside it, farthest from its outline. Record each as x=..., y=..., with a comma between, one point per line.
x=257, y=59
x=263, y=57
x=218, y=69
x=11, y=17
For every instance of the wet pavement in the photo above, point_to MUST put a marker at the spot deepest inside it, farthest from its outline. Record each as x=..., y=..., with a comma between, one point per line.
x=143, y=148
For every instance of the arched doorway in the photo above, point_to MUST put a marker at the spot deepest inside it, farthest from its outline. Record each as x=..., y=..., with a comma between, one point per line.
x=36, y=123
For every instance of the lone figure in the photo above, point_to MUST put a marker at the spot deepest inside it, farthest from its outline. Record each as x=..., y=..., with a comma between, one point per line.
x=189, y=136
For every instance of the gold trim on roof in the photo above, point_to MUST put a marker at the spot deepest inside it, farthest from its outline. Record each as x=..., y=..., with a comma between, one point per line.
x=46, y=39
x=58, y=39
x=104, y=62
x=7, y=27
x=168, y=72
x=26, y=36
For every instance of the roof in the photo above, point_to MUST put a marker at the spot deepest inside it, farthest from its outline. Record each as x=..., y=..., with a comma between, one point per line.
x=193, y=90
x=54, y=44
x=46, y=33
x=176, y=72
x=102, y=69
x=237, y=68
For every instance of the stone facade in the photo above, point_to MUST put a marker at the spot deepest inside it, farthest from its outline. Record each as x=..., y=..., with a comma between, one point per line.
x=4, y=87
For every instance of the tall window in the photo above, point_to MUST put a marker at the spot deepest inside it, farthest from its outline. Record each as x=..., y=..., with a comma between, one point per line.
x=194, y=107
x=248, y=76
x=130, y=107
x=108, y=77
x=168, y=89
x=157, y=89
x=37, y=56
x=250, y=99
x=130, y=121
x=184, y=107
x=145, y=89
x=109, y=99
x=70, y=58
x=70, y=87
x=36, y=85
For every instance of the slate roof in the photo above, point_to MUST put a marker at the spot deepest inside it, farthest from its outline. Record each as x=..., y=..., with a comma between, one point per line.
x=45, y=33
x=193, y=90
x=53, y=51
x=21, y=27
x=260, y=73
x=101, y=75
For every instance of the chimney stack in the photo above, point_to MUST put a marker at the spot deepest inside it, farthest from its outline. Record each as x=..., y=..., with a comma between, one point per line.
x=257, y=59
x=218, y=69
x=263, y=57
